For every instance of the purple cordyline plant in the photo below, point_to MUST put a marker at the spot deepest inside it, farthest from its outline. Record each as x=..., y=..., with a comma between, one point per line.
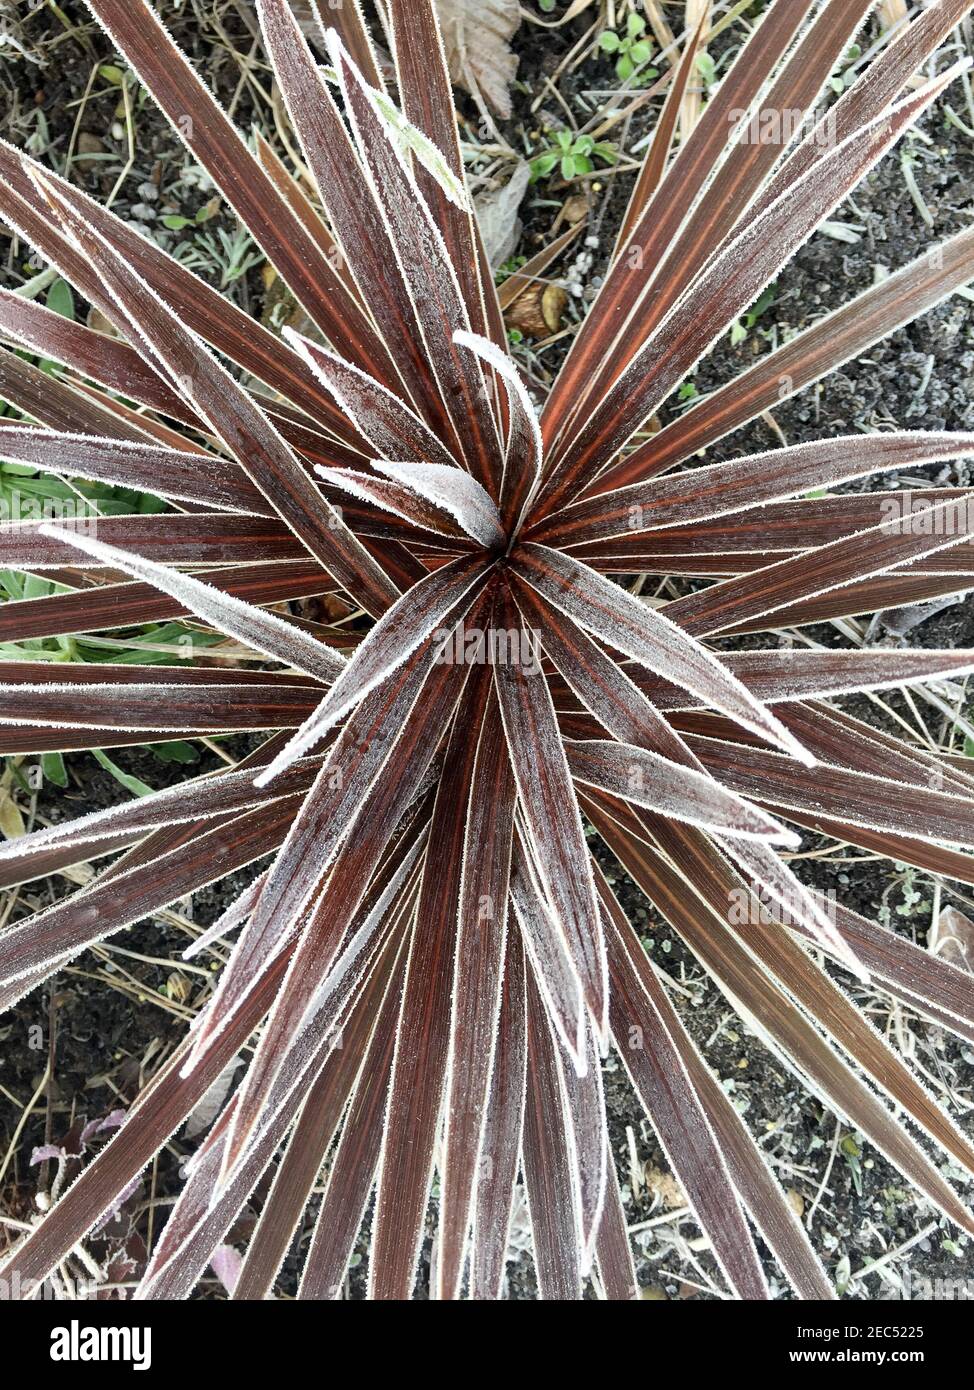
x=434, y=963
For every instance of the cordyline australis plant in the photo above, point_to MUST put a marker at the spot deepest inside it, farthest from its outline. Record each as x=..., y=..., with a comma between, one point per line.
x=434, y=963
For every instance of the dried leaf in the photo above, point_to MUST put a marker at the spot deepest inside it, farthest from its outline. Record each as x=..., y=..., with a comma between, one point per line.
x=497, y=213
x=952, y=939
x=476, y=36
